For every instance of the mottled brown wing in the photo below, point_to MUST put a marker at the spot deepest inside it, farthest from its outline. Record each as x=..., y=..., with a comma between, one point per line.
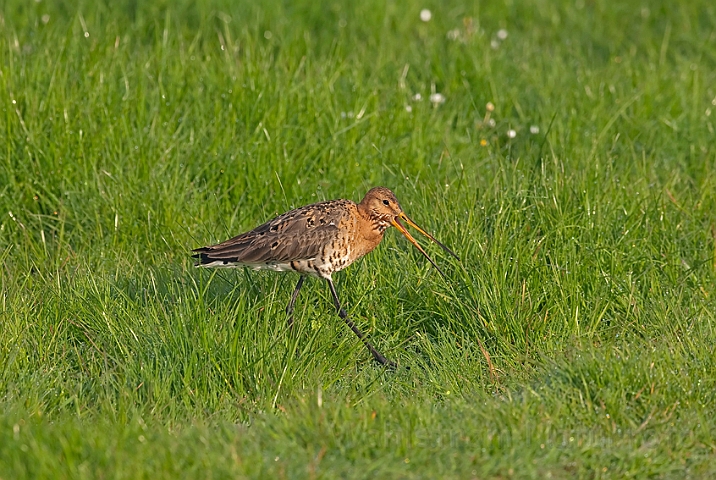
x=296, y=235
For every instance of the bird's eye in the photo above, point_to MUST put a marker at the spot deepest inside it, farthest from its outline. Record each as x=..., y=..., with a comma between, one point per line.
x=386, y=202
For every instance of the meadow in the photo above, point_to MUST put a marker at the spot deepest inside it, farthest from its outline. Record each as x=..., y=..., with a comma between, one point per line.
x=565, y=150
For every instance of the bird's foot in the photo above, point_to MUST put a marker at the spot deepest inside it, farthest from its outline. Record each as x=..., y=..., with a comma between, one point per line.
x=382, y=360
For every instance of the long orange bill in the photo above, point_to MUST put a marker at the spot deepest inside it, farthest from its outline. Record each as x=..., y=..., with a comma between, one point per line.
x=401, y=228
x=415, y=226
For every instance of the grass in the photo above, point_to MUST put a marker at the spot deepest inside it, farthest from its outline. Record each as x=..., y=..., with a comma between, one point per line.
x=575, y=338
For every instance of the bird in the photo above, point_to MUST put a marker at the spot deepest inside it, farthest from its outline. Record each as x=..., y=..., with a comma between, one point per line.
x=318, y=240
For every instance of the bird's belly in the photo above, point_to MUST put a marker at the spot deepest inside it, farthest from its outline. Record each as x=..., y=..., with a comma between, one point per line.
x=315, y=267
x=276, y=267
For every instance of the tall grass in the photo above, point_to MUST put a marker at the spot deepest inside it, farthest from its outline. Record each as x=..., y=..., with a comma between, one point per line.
x=571, y=166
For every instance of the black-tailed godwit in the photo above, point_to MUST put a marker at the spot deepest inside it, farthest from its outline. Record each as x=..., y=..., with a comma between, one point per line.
x=318, y=240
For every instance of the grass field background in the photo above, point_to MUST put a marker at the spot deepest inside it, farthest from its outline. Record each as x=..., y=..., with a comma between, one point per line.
x=572, y=166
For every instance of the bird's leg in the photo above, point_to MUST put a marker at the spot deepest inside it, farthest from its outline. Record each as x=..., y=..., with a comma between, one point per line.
x=294, y=295
x=342, y=313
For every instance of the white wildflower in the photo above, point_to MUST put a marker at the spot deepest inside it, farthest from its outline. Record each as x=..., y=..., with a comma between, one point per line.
x=437, y=98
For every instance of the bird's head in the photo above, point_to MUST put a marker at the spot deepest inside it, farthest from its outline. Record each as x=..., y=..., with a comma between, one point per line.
x=381, y=205
x=384, y=210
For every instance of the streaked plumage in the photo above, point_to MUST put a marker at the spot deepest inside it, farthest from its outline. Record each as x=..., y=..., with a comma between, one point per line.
x=317, y=240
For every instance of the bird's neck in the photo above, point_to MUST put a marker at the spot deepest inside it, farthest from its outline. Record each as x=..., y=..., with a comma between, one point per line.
x=376, y=223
